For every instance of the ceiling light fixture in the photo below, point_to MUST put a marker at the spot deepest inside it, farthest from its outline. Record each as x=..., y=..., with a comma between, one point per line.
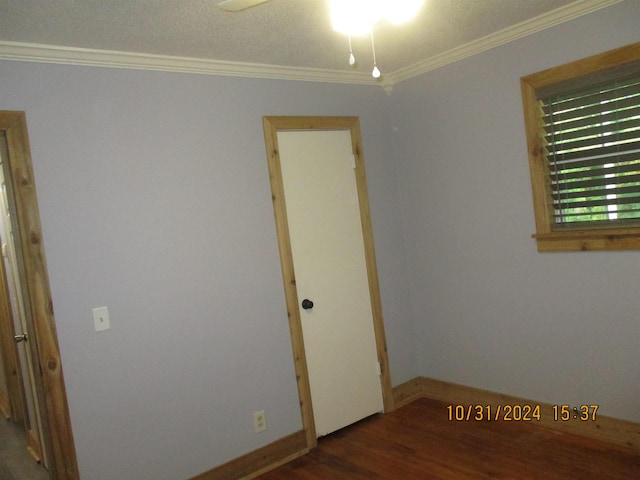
x=357, y=17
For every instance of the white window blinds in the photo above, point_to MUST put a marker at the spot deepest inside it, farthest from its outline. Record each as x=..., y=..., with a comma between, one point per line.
x=593, y=150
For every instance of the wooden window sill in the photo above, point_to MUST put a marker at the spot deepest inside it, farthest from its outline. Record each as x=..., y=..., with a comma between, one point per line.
x=581, y=240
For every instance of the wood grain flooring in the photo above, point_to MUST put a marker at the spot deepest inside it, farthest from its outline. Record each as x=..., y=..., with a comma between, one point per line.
x=418, y=441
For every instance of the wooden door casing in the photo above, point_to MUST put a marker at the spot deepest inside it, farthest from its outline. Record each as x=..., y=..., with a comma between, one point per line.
x=272, y=125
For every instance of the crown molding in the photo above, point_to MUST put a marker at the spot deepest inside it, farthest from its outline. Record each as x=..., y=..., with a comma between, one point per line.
x=32, y=52
x=528, y=27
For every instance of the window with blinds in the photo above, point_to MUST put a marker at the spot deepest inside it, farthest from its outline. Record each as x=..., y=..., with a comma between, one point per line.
x=593, y=153
x=582, y=121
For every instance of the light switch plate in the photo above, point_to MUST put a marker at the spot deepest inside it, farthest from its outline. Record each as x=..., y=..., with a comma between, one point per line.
x=101, y=319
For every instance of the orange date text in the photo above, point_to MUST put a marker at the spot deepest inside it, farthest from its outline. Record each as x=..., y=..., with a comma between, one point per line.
x=493, y=413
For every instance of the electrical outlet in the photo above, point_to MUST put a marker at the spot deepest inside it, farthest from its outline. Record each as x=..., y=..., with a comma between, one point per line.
x=259, y=421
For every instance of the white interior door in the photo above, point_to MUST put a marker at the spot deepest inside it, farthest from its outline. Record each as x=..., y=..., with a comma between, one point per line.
x=330, y=269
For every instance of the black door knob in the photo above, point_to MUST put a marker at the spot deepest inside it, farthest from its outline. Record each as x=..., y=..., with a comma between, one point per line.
x=307, y=304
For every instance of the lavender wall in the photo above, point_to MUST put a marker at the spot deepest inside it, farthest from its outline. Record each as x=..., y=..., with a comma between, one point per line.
x=155, y=201
x=489, y=310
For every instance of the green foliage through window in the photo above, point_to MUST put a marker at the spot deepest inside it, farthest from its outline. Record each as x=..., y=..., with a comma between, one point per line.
x=593, y=149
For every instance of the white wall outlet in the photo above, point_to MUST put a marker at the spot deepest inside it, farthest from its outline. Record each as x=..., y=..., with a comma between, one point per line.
x=259, y=421
x=101, y=319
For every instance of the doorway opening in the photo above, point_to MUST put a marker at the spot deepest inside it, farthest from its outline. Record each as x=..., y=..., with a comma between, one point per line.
x=48, y=416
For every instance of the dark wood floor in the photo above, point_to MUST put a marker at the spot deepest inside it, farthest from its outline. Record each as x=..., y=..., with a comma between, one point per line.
x=418, y=442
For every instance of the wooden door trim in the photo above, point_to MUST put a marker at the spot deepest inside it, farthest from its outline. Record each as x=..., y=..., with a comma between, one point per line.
x=58, y=441
x=273, y=125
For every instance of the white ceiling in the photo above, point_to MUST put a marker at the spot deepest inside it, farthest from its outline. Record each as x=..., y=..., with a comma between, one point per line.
x=278, y=39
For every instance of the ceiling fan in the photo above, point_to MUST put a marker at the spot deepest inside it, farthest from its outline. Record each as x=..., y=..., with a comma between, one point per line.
x=237, y=5
x=352, y=17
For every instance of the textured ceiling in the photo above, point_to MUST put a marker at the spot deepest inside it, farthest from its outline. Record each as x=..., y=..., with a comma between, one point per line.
x=293, y=33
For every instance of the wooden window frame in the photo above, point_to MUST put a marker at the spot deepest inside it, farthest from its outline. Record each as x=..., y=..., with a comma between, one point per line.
x=548, y=239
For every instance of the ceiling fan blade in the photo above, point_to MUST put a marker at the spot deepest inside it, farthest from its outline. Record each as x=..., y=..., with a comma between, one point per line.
x=237, y=5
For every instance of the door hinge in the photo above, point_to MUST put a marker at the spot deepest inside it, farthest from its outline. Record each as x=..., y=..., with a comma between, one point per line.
x=353, y=161
x=378, y=368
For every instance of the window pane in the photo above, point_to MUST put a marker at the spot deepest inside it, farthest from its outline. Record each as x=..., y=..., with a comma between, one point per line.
x=593, y=152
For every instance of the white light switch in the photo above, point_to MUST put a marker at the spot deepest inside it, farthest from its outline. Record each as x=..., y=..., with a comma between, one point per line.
x=101, y=319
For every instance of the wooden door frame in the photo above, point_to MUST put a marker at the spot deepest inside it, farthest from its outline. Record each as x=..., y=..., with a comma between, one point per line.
x=43, y=340
x=273, y=125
